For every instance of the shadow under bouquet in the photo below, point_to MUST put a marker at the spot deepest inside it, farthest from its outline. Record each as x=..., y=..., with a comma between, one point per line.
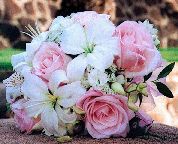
x=86, y=76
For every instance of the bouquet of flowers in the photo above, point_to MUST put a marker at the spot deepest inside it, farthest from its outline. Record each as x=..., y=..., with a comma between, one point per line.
x=85, y=76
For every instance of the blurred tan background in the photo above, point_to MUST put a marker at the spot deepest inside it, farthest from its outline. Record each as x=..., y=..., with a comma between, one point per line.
x=16, y=14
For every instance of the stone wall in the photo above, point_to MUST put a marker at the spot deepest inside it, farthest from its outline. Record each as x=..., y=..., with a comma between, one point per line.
x=19, y=13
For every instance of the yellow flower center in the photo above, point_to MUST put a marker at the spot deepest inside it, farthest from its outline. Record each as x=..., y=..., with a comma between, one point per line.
x=52, y=98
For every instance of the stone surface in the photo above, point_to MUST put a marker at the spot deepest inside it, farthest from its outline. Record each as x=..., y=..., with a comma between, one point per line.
x=159, y=133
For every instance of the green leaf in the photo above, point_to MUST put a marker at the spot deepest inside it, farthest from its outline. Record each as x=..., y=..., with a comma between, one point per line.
x=162, y=88
x=166, y=70
x=146, y=77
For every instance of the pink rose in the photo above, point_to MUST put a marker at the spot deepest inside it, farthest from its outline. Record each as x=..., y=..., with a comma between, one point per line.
x=86, y=17
x=24, y=122
x=49, y=58
x=138, y=56
x=106, y=115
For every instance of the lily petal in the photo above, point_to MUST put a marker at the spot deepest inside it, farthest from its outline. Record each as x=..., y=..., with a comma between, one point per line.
x=49, y=120
x=99, y=30
x=65, y=115
x=56, y=79
x=31, y=49
x=70, y=94
x=73, y=39
x=33, y=107
x=12, y=93
x=100, y=59
x=41, y=37
x=33, y=87
x=76, y=68
x=18, y=58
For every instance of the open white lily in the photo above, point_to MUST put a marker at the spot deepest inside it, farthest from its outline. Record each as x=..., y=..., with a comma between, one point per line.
x=53, y=106
x=93, y=44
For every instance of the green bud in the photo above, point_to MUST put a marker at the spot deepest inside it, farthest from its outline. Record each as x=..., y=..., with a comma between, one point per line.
x=144, y=92
x=132, y=106
x=64, y=139
x=142, y=85
x=117, y=87
x=133, y=97
x=131, y=88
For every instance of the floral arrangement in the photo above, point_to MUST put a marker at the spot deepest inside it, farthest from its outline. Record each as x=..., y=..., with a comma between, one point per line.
x=85, y=76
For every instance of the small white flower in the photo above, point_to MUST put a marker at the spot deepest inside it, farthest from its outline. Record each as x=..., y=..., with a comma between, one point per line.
x=85, y=83
x=60, y=23
x=54, y=36
x=112, y=77
x=106, y=88
x=57, y=27
x=13, y=87
x=97, y=78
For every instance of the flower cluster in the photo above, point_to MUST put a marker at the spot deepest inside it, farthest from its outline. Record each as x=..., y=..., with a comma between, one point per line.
x=87, y=76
